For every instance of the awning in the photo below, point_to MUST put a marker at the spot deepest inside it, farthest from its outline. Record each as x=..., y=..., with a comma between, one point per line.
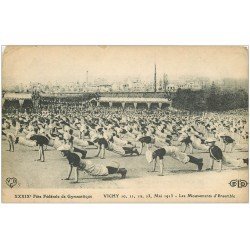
x=17, y=96
x=134, y=100
x=64, y=95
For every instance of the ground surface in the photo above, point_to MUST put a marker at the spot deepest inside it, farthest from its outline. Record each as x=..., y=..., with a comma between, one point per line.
x=50, y=174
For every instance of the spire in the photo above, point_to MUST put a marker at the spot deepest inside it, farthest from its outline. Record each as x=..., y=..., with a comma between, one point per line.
x=87, y=76
x=155, y=79
x=165, y=82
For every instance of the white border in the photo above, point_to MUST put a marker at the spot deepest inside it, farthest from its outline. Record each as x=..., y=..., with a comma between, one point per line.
x=125, y=226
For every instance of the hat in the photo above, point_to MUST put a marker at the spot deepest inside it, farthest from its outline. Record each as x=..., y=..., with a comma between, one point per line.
x=210, y=139
x=149, y=156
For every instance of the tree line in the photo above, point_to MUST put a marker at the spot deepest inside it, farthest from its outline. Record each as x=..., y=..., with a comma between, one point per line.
x=211, y=98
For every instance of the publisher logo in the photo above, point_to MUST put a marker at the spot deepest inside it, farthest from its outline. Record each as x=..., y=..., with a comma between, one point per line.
x=11, y=182
x=238, y=183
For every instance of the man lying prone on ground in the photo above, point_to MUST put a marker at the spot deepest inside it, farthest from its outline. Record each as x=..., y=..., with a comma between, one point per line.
x=89, y=167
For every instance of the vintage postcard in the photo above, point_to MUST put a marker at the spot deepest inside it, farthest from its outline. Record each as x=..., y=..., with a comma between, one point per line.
x=125, y=124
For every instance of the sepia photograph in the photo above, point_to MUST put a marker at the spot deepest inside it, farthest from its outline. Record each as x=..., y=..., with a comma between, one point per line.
x=125, y=124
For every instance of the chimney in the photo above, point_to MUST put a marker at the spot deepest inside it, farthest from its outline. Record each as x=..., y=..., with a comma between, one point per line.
x=155, y=79
x=87, y=76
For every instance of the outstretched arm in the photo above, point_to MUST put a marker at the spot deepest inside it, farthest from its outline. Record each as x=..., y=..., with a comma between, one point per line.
x=76, y=174
x=185, y=145
x=161, y=167
x=70, y=171
x=154, y=166
x=99, y=150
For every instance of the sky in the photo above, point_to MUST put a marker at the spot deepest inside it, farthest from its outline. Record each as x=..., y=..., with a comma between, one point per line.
x=62, y=64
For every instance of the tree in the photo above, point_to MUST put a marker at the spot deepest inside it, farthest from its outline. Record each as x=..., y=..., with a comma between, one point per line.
x=210, y=99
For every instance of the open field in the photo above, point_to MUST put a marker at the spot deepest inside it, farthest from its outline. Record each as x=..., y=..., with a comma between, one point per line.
x=50, y=174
